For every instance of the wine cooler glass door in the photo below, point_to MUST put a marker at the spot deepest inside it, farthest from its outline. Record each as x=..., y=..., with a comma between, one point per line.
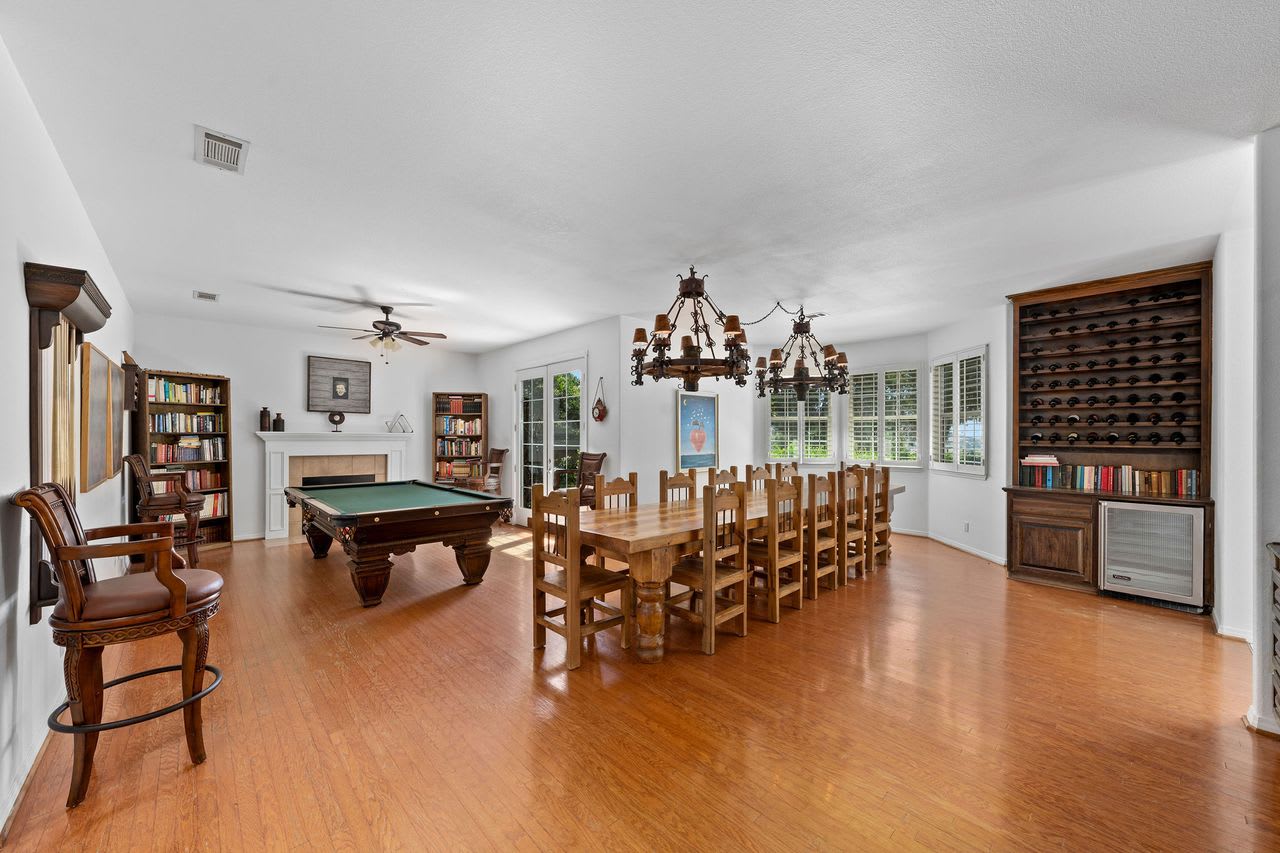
x=1153, y=550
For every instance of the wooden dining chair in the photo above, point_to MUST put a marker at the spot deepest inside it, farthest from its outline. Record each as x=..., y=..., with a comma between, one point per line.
x=777, y=560
x=851, y=522
x=820, y=540
x=620, y=494
x=723, y=477
x=160, y=597
x=560, y=571
x=785, y=470
x=680, y=486
x=755, y=477
x=878, y=528
x=716, y=578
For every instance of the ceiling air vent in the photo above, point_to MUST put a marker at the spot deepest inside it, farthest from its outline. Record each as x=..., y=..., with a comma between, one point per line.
x=220, y=150
x=204, y=296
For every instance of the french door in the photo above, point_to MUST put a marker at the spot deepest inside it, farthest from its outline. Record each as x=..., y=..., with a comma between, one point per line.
x=549, y=429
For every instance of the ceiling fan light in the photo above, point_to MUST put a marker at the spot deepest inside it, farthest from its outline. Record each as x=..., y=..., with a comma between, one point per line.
x=393, y=345
x=374, y=342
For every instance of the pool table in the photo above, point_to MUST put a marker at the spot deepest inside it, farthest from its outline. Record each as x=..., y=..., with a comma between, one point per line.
x=374, y=521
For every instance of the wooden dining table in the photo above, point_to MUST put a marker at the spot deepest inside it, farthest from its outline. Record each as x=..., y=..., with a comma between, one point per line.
x=652, y=537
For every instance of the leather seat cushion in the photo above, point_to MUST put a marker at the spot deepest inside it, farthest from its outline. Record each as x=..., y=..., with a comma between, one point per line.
x=134, y=595
x=172, y=500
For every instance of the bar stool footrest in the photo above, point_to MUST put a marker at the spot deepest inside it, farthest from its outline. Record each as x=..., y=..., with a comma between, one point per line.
x=88, y=728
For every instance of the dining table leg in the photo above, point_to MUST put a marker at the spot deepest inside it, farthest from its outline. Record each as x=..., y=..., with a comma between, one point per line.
x=650, y=572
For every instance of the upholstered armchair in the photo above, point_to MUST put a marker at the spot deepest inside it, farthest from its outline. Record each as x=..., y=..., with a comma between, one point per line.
x=589, y=465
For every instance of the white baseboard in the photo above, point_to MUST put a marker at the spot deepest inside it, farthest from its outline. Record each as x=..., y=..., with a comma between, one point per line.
x=1232, y=632
x=991, y=558
x=921, y=533
x=1262, y=722
x=241, y=537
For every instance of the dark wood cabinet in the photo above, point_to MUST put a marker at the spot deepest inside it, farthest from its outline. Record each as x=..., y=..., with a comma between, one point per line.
x=1052, y=540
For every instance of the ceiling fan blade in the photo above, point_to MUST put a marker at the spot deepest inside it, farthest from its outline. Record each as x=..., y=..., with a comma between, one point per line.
x=365, y=337
x=425, y=334
x=346, y=329
x=363, y=303
x=403, y=337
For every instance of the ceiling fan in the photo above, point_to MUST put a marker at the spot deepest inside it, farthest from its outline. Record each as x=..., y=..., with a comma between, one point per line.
x=387, y=334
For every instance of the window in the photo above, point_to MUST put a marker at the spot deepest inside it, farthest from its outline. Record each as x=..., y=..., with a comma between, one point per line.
x=800, y=431
x=958, y=394
x=883, y=416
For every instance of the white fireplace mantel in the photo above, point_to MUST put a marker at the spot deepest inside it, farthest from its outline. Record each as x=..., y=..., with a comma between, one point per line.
x=281, y=446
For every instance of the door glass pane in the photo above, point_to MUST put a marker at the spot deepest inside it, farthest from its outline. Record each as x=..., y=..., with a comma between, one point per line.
x=566, y=389
x=532, y=409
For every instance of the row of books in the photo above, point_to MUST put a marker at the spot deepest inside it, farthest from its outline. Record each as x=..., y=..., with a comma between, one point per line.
x=187, y=422
x=459, y=405
x=215, y=506
x=458, y=426
x=190, y=448
x=458, y=447
x=460, y=469
x=163, y=391
x=1046, y=472
x=196, y=479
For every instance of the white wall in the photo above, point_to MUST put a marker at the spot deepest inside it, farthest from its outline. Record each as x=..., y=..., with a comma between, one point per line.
x=1262, y=477
x=41, y=220
x=958, y=498
x=598, y=343
x=268, y=367
x=1234, y=441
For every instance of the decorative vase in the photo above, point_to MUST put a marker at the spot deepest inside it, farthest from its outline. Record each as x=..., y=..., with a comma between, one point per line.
x=264, y=420
x=277, y=425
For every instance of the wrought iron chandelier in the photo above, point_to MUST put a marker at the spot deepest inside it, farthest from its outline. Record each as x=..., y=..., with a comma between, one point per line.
x=696, y=358
x=830, y=369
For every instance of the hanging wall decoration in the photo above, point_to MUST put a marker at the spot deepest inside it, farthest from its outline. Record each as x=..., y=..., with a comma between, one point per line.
x=599, y=411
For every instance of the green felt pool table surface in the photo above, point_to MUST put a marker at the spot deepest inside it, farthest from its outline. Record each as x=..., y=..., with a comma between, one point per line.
x=383, y=497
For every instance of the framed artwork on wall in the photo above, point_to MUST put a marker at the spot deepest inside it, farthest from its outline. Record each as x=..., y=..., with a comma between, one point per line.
x=338, y=385
x=697, y=430
x=101, y=417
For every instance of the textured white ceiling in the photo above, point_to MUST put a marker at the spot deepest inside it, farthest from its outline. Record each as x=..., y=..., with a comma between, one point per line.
x=529, y=166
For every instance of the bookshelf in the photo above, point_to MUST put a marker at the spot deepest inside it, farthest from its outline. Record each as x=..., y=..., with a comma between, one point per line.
x=183, y=424
x=459, y=435
x=1111, y=395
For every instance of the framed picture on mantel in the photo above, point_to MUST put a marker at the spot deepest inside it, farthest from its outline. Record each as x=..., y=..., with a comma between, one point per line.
x=697, y=430
x=338, y=385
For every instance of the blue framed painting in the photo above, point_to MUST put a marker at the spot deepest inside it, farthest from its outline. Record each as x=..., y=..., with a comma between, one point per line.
x=697, y=430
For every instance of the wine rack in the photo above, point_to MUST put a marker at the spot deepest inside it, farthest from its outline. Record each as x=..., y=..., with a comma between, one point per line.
x=1111, y=375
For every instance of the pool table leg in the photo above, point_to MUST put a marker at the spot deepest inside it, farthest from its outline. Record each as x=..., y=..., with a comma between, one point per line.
x=473, y=559
x=319, y=542
x=369, y=575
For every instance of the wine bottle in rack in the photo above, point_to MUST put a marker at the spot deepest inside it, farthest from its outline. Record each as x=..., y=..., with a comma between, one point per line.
x=1113, y=419
x=1113, y=437
x=1055, y=383
x=1134, y=302
x=1155, y=378
x=1154, y=438
x=1092, y=419
x=1133, y=379
x=1037, y=437
x=1054, y=366
x=1112, y=362
x=1054, y=437
x=1156, y=318
x=1111, y=342
x=1178, y=418
x=1092, y=438
x=1112, y=400
x=1037, y=385
x=1036, y=351
x=1133, y=399
x=1054, y=402
x=1111, y=380
x=1036, y=403
x=1092, y=381
x=1092, y=401
x=1156, y=359
x=1073, y=437
x=1178, y=357
x=1073, y=419
x=1113, y=324
x=1134, y=341
x=1073, y=401
x=1178, y=397
x=1072, y=347
x=1036, y=368
x=1055, y=419
x=1132, y=418
x=1132, y=438
x=1073, y=365
x=1179, y=336
x=1177, y=438
x=1132, y=360
x=1179, y=377
x=1154, y=340
x=1155, y=399
x=1154, y=418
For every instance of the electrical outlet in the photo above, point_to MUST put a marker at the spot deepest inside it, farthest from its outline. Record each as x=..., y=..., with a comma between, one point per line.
x=966, y=527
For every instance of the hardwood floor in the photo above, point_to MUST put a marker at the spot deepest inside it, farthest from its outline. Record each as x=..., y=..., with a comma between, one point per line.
x=934, y=705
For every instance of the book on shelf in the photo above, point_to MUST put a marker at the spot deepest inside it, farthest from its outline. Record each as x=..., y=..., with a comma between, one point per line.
x=161, y=390
x=187, y=422
x=449, y=425
x=1046, y=472
x=199, y=479
x=459, y=469
x=458, y=447
x=458, y=404
x=190, y=448
x=215, y=506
